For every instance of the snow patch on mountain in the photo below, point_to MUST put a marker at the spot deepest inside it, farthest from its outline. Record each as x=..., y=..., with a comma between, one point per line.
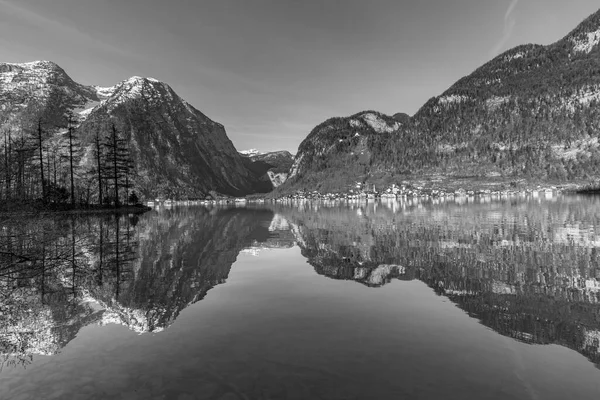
x=40, y=80
x=586, y=43
x=104, y=92
x=27, y=76
x=83, y=114
x=378, y=124
x=132, y=88
x=515, y=56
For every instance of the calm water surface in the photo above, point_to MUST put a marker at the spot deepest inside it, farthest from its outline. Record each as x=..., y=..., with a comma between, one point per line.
x=485, y=299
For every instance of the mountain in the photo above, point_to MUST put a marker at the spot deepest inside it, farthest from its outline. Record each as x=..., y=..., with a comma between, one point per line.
x=339, y=152
x=530, y=113
x=275, y=165
x=177, y=151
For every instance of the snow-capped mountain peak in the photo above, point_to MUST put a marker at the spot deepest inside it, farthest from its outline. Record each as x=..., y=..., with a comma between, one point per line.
x=40, y=64
x=104, y=92
x=251, y=152
x=176, y=149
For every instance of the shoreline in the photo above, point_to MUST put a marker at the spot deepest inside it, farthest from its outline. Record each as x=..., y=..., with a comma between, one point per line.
x=32, y=211
x=401, y=192
x=453, y=189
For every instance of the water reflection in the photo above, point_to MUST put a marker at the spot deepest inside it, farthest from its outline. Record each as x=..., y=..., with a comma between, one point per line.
x=60, y=274
x=528, y=269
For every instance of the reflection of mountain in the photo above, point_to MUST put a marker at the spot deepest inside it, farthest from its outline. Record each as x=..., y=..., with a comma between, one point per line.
x=510, y=266
x=280, y=237
x=528, y=272
x=184, y=256
x=139, y=276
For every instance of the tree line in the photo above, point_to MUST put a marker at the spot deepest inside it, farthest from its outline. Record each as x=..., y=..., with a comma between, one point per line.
x=39, y=165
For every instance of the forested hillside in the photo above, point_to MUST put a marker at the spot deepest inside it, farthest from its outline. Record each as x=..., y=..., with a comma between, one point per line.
x=530, y=113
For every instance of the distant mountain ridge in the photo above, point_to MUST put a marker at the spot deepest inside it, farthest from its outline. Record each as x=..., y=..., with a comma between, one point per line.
x=251, y=152
x=530, y=113
x=177, y=151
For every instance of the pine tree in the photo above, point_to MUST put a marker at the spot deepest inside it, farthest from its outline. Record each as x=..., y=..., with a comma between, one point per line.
x=117, y=163
x=41, y=155
x=97, y=169
x=7, y=163
x=73, y=147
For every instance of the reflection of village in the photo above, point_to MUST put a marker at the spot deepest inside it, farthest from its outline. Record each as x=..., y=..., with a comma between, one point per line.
x=527, y=271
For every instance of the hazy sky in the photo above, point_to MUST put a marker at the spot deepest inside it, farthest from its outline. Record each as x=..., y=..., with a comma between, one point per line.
x=272, y=70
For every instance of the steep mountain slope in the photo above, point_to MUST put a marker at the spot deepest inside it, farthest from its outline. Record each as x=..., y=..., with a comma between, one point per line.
x=177, y=151
x=529, y=113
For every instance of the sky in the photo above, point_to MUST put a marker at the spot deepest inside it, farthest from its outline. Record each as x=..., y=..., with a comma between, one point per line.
x=271, y=70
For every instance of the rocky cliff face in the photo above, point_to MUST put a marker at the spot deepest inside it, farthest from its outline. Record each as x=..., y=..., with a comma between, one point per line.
x=177, y=150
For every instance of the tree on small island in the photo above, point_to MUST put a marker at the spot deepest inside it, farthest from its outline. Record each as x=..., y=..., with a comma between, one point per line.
x=133, y=198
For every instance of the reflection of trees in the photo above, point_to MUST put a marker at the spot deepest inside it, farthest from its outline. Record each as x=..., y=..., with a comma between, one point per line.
x=138, y=272
x=528, y=272
x=46, y=268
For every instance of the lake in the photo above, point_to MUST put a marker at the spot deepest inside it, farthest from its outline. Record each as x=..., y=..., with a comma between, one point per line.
x=484, y=298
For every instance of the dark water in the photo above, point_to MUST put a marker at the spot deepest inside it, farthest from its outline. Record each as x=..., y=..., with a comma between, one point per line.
x=400, y=300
